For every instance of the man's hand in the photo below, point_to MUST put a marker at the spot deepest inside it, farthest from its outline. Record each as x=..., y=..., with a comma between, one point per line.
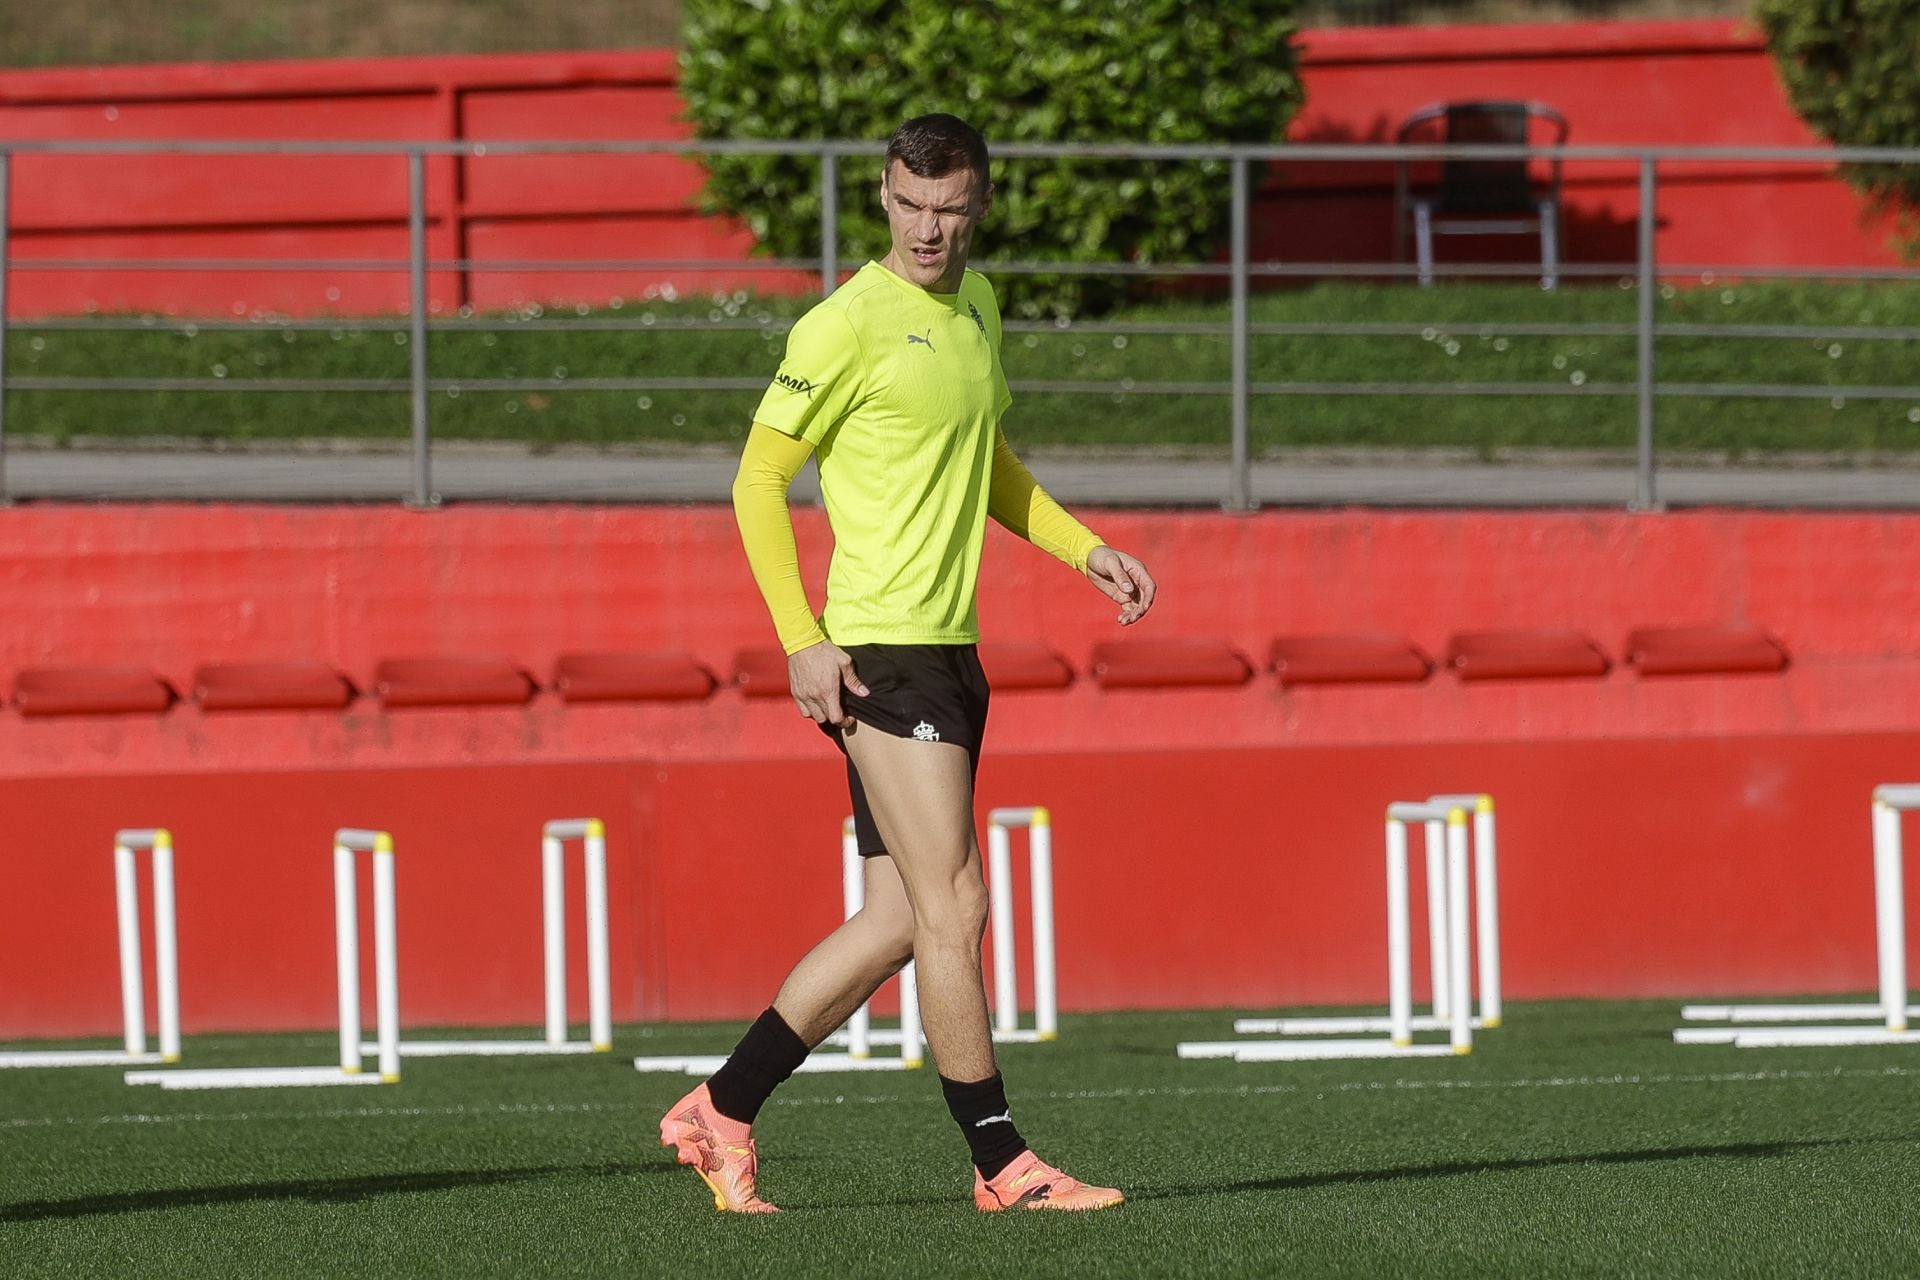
x=816, y=675
x=1124, y=580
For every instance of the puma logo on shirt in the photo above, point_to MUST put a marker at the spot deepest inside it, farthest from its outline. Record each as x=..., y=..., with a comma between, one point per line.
x=926, y=342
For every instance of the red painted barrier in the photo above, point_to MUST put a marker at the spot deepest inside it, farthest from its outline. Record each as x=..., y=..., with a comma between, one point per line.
x=1619, y=83
x=1660, y=836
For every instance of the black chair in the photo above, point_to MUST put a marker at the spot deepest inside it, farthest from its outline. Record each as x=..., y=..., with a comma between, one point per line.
x=1481, y=196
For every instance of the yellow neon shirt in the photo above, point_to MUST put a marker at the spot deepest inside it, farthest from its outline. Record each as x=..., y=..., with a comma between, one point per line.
x=898, y=391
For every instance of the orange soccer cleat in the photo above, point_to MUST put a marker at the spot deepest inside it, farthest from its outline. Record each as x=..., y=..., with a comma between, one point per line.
x=1031, y=1183
x=719, y=1150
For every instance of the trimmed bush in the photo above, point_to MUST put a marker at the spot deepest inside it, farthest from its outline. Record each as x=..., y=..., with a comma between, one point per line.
x=1852, y=68
x=1128, y=71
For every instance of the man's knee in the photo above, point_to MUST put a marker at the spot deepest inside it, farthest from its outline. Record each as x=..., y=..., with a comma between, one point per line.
x=956, y=914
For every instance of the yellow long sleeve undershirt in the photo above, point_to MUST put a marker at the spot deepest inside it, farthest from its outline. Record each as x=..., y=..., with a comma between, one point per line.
x=772, y=459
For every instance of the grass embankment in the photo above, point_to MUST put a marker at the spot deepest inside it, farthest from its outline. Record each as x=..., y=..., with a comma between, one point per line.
x=553, y=353
x=1577, y=1140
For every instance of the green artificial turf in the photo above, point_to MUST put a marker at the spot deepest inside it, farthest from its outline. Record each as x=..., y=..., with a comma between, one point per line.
x=742, y=337
x=1577, y=1140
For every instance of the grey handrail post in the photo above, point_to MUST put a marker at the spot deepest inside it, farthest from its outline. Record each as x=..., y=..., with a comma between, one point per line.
x=417, y=319
x=1240, y=484
x=3, y=328
x=1644, y=496
x=829, y=222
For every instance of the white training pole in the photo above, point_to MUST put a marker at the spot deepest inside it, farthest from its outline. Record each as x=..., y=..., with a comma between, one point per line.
x=1486, y=900
x=386, y=959
x=1399, y=937
x=1006, y=991
x=553, y=900
x=854, y=891
x=1435, y=842
x=912, y=1040
x=166, y=946
x=1046, y=990
x=599, y=958
x=346, y=952
x=1459, y=962
x=1486, y=897
x=133, y=998
x=1889, y=900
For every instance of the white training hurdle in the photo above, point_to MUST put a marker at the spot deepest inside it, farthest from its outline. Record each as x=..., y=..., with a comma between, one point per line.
x=1444, y=822
x=1038, y=824
x=157, y=842
x=591, y=833
x=1890, y=800
x=347, y=843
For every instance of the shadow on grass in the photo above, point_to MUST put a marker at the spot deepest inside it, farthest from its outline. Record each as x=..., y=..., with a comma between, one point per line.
x=311, y=1190
x=1410, y=1173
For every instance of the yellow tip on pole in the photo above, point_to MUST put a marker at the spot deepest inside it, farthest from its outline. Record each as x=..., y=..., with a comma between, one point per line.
x=1049, y=1035
x=914, y=1064
x=1041, y=818
x=162, y=838
x=1401, y=1043
x=596, y=829
x=169, y=1057
x=1484, y=805
x=1489, y=1023
x=603, y=1047
x=390, y=1079
x=382, y=842
x=351, y=1071
x=1462, y=1050
x=1456, y=817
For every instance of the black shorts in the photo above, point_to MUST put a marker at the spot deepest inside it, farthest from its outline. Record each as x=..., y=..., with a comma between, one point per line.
x=928, y=692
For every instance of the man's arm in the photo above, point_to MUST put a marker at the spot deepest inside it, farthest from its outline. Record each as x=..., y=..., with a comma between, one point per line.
x=816, y=667
x=1016, y=500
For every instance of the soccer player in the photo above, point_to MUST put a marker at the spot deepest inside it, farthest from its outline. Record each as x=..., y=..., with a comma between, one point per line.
x=895, y=382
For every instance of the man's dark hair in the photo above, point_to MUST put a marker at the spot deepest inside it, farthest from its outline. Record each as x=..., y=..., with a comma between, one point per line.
x=933, y=146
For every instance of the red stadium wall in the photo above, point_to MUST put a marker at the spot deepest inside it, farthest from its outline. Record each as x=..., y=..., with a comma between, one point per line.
x=1662, y=82
x=1660, y=836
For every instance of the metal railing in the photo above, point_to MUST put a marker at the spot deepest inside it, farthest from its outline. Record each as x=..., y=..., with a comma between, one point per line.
x=1240, y=271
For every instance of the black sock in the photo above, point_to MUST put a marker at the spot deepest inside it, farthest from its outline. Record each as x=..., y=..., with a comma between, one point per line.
x=985, y=1120
x=764, y=1058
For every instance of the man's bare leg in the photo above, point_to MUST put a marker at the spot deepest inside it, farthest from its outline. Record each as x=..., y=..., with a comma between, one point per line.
x=843, y=971
x=922, y=799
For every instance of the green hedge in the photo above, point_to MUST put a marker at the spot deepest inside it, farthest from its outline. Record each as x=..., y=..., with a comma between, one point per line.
x=1852, y=68
x=1159, y=71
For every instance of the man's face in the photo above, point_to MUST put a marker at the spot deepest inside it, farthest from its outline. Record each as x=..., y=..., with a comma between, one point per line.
x=931, y=221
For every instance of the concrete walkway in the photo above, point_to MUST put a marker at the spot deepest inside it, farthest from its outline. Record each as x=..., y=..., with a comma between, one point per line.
x=1312, y=478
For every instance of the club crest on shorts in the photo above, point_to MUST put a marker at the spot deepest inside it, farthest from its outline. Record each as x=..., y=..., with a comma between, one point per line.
x=924, y=732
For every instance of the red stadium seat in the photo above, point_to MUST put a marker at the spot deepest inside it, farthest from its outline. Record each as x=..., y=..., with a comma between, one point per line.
x=451, y=682
x=85, y=691
x=1675, y=651
x=631, y=677
x=761, y=673
x=1347, y=659
x=1525, y=655
x=271, y=686
x=1023, y=664
x=1168, y=664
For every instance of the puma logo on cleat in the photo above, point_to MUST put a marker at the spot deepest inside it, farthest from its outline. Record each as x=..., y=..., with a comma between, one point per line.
x=926, y=342
x=924, y=732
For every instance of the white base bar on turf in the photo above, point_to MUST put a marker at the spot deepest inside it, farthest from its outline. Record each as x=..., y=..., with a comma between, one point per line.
x=1831, y=1037
x=1788, y=1012
x=76, y=1058
x=253, y=1078
x=481, y=1048
x=885, y=1036
x=817, y=1064
x=1356, y=1025
x=1314, y=1050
